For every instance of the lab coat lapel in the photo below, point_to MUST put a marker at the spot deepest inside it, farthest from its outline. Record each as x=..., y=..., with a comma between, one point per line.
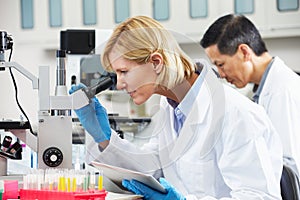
x=168, y=164
x=171, y=148
x=205, y=121
x=166, y=146
x=192, y=123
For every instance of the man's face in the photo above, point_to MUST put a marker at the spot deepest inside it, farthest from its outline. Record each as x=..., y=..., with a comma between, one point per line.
x=235, y=69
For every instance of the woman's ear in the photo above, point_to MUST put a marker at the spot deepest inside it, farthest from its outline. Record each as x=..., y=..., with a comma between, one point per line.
x=157, y=60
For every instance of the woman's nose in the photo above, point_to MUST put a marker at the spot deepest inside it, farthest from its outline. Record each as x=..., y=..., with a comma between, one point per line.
x=120, y=83
x=121, y=86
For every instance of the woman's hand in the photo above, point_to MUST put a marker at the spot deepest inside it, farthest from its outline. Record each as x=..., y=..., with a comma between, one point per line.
x=93, y=118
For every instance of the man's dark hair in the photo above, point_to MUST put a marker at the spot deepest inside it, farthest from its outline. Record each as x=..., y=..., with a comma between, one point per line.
x=229, y=31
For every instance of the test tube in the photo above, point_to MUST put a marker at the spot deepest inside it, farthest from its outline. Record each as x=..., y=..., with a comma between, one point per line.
x=61, y=181
x=92, y=182
x=50, y=179
x=79, y=183
x=69, y=184
x=32, y=181
x=86, y=180
x=25, y=182
x=74, y=184
x=61, y=184
x=72, y=181
x=100, y=180
x=40, y=179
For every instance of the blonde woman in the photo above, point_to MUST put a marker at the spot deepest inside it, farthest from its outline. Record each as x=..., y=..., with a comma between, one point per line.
x=209, y=141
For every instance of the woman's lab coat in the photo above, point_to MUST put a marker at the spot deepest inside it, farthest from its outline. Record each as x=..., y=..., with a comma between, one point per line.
x=227, y=147
x=280, y=96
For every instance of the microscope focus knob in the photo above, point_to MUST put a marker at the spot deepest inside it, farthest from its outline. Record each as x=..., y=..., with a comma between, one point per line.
x=52, y=157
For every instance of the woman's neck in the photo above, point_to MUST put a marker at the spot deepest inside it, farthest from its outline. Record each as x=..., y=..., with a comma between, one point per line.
x=179, y=91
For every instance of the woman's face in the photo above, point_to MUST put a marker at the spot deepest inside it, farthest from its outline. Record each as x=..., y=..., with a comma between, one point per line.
x=137, y=79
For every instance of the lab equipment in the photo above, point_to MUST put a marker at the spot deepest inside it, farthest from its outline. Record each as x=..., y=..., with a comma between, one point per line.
x=9, y=150
x=53, y=142
x=151, y=194
x=13, y=149
x=6, y=143
x=76, y=41
x=54, y=183
x=60, y=89
x=103, y=84
x=58, y=195
x=6, y=43
x=83, y=48
x=15, y=153
x=55, y=120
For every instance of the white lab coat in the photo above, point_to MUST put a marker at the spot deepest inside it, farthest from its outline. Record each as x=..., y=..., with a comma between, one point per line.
x=226, y=149
x=280, y=97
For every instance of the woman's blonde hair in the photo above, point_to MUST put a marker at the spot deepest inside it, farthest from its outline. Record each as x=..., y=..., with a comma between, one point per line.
x=138, y=37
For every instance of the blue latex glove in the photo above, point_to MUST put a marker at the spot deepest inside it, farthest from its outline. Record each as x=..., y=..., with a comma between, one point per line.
x=93, y=117
x=151, y=194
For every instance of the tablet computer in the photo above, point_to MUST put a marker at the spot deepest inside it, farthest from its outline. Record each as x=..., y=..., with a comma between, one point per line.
x=117, y=174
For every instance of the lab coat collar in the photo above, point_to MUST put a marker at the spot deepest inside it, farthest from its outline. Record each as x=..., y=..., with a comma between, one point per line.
x=277, y=71
x=257, y=89
x=207, y=114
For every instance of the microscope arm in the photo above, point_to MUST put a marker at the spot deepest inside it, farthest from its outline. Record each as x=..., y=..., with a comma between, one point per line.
x=22, y=70
x=79, y=98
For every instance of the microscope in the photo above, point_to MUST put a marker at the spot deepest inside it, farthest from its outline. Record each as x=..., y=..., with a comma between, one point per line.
x=53, y=141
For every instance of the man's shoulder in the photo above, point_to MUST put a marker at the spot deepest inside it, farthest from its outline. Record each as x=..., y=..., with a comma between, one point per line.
x=237, y=102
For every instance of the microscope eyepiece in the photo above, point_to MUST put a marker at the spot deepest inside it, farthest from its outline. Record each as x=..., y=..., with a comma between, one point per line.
x=103, y=84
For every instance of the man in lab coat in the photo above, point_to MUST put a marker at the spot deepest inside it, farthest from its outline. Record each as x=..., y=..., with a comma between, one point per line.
x=236, y=48
x=208, y=141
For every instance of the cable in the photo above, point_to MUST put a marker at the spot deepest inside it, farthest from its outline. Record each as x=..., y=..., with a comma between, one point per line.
x=16, y=93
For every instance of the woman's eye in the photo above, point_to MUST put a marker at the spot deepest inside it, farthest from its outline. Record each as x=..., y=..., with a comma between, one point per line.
x=121, y=71
x=220, y=65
